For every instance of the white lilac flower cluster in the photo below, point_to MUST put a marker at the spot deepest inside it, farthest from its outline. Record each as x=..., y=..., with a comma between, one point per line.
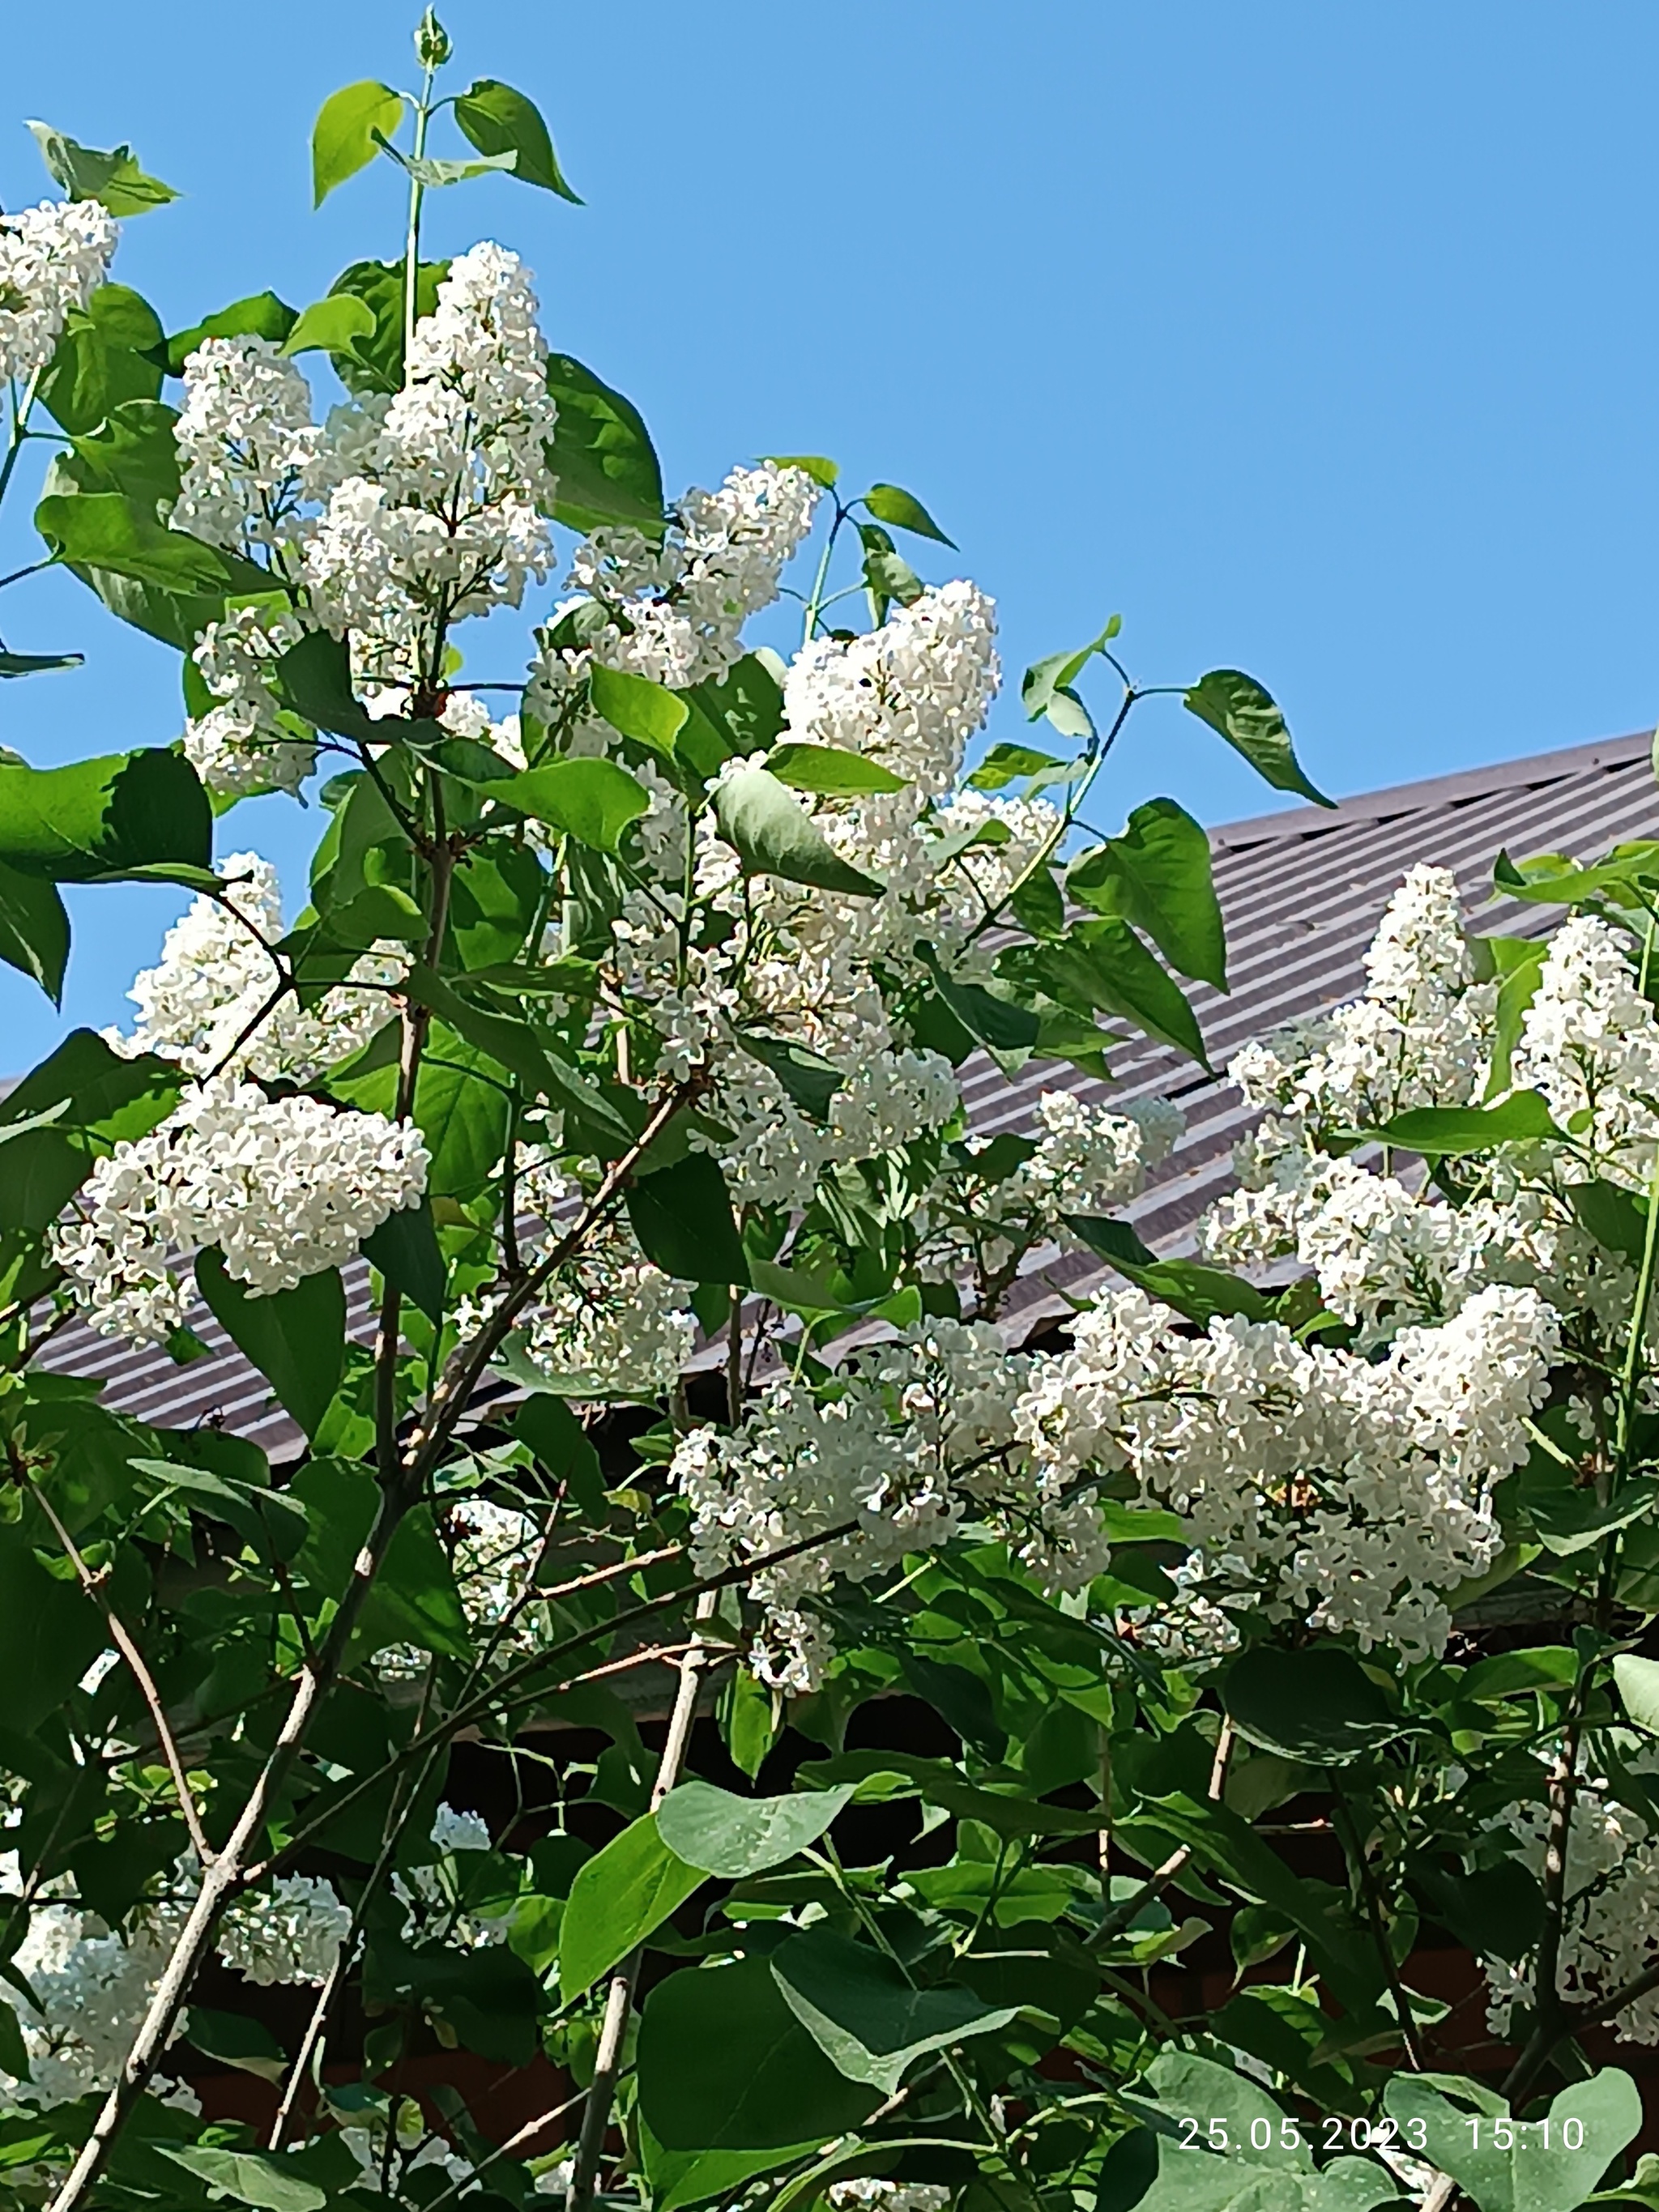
x=915, y=1438
x=674, y=612
x=283, y=1186
x=1611, y=1933
x=93, y=1984
x=866, y=2194
x=709, y=954
x=1090, y=1157
x=908, y=694
x=204, y=1004
x=53, y=259
x=610, y=1324
x=398, y=516
x=1351, y=1492
x=1348, y=1485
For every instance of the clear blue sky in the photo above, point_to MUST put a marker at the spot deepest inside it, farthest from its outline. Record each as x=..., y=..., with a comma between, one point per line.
x=1318, y=340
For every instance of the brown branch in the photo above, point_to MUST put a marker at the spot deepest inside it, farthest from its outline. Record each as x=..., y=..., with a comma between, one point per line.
x=477, y=1707
x=92, y=1584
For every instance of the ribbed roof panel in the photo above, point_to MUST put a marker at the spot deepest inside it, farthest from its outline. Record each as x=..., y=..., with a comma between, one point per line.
x=1300, y=891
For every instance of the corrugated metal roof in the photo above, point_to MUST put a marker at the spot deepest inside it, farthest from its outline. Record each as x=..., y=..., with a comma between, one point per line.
x=1300, y=891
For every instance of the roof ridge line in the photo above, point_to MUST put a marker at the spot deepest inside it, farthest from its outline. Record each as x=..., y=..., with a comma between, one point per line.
x=1438, y=790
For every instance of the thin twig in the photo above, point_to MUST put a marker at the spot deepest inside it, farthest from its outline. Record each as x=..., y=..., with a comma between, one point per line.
x=92, y=1584
x=619, y=1997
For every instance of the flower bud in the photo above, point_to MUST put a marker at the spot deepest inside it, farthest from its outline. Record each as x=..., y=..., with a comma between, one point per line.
x=432, y=46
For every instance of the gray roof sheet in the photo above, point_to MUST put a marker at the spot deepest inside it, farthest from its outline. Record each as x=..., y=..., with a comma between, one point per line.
x=1301, y=890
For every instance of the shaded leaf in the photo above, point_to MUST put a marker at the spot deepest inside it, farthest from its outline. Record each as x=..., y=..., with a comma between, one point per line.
x=115, y=178
x=868, y=2019
x=724, y=2065
x=1236, y=706
x=296, y=1339
x=499, y=120
x=405, y=1248
x=1317, y=1705
x=602, y=455
x=34, y=930
x=682, y=1217
x=772, y=835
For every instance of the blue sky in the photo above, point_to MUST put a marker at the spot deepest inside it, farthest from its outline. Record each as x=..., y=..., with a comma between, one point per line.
x=1317, y=340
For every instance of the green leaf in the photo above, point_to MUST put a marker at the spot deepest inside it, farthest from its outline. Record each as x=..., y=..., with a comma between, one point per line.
x=498, y=120
x=682, y=1216
x=34, y=930
x=1525, y=2177
x=105, y=357
x=814, y=465
x=601, y=453
x=1007, y=763
x=868, y=2020
x=405, y=1248
x=234, y=2040
x=808, y=1080
x=261, y=315
x=434, y=175
x=592, y=800
x=741, y=714
x=296, y=1339
x=105, y=531
x=996, y=1023
x=1102, y=966
x=376, y=364
x=1638, y=1683
x=1236, y=706
x=251, y=2177
x=732, y=1837
x=563, y=1447
x=313, y=680
x=830, y=768
x=1045, y=686
x=115, y=178
x=50, y=1634
x=330, y=325
x=1440, y=1130
x=1194, y=1289
x=620, y=1897
x=1613, y=1217
x=1317, y=1705
x=889, y=504
x=772, y=835
x=647, y=711
x=724, y=2065
x=379, y=910
x=39, y=663
x=105, y=817
x=343, y=138
x=1156, y=875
